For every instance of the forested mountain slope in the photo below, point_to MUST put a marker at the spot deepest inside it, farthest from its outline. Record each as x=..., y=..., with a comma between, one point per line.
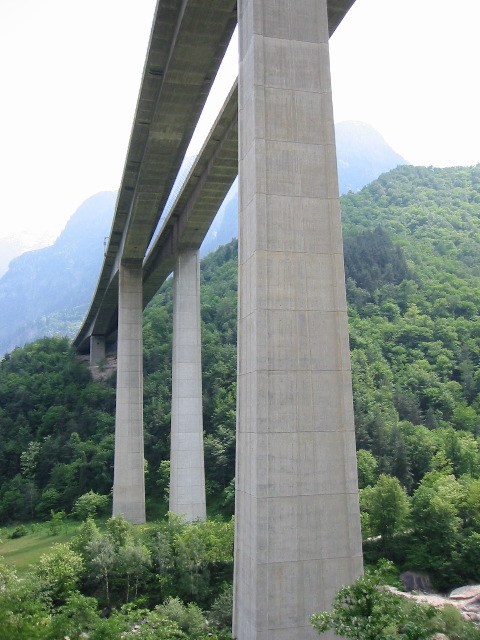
x=417, y=319
x=47, y=292
x=362, y=155
x=412, y=250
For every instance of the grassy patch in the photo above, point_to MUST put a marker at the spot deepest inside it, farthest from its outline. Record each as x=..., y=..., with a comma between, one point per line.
x=20, y=553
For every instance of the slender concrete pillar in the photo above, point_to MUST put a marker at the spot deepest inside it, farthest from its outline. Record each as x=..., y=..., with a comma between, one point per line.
x=187, y=472
x=97, y=350
x=129, y=483
x=297, y=536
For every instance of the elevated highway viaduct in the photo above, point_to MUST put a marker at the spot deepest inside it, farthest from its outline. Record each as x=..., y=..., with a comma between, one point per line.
x=297, y=536
x=164, y=121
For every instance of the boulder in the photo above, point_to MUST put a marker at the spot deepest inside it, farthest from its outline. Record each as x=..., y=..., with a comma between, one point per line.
x=465, y=599
x=466, y=593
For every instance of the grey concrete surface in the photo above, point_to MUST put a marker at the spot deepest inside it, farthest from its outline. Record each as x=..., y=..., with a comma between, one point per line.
x=97, y=349
x=187, y=44
x=171, y=97
x=198, y=200
x=129, y=481
x=297, y=516
x=187, y=473
x=297, y=519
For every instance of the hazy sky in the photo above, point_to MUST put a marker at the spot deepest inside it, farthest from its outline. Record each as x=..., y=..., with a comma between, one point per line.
x=70, y=72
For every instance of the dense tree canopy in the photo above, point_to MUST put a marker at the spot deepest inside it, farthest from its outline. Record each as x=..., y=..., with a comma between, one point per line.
x=412, y=256
x=123, y=581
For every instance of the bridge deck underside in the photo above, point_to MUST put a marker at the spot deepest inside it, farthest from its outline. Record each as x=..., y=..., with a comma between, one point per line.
x=187, y=44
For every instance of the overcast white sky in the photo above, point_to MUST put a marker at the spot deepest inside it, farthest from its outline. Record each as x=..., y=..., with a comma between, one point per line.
x=70, y=72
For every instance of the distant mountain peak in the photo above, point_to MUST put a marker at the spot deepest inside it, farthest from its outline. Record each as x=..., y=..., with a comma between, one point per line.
x=362, y=155
x=47, y=291
x=56, y=281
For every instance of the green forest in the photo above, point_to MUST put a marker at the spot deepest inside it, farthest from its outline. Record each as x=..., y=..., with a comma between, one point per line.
x=412, y=261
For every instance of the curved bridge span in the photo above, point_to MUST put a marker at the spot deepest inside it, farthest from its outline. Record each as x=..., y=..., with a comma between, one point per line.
x=179, y=71
x=297, y=536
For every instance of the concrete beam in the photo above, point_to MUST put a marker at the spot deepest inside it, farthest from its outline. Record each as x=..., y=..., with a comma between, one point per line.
x=337, y=10
x=198, y=200
x=197, y=43
x=297, y=538
x=187, y=44
x=152, y=162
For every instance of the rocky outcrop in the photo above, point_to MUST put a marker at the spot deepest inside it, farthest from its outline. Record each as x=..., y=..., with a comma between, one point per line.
x=465, y=599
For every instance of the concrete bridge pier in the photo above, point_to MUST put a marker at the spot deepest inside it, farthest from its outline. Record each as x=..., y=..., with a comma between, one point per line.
x=97, y=350
x=187, y=474
x=129, y=481
x=297, y=538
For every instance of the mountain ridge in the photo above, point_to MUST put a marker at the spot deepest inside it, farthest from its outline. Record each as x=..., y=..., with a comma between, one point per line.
x=412, y=256
x=45, y=292
x=57, y=278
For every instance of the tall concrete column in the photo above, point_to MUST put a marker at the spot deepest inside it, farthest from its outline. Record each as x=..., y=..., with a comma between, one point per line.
x=97, y=350
x=129, y=482
x=297, y=536
x=187, y=473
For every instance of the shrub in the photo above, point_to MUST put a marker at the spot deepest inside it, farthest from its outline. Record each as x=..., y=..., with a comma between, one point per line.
x=18, y=532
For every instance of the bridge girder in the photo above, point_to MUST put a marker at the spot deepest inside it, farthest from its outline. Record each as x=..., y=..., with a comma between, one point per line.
x=187, y=44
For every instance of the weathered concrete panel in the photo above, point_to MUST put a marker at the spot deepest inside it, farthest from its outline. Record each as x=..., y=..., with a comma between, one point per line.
x=187, y=43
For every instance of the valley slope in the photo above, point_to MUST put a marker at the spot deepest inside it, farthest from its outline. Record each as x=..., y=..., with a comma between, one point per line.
x=47, y=292
x=412, y=255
